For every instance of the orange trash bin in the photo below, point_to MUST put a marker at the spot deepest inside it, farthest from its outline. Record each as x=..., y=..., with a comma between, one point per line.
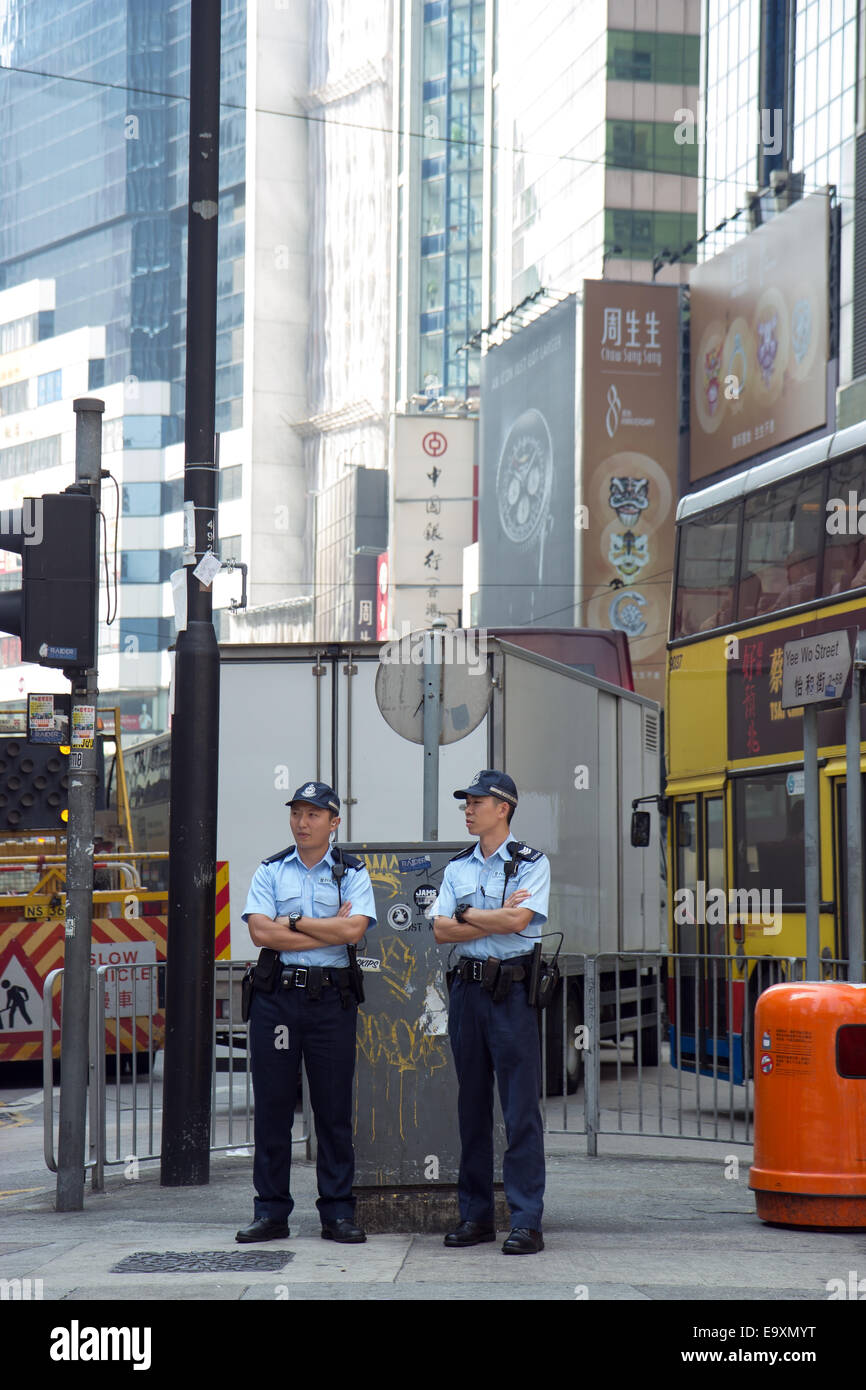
x=809, y=1167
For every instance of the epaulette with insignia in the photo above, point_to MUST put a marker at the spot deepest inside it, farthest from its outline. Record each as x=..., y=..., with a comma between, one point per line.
x=518, y=850
x=463, y=853
x=282, y=854
x=351, y=861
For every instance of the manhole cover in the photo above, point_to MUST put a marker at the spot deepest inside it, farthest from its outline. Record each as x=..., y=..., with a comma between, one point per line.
x=200, y=1261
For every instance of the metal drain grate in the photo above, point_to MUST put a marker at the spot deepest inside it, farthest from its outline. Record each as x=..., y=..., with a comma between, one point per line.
x=201, y=1261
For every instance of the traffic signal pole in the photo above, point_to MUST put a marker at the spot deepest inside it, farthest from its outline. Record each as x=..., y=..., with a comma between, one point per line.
x=189, y=1004
x=79, y=859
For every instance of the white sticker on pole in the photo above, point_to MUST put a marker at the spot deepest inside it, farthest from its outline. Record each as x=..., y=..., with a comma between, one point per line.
x=178, y=596
x=188, y=532
x=207, y=568
x=795, y=784
x=83, y=726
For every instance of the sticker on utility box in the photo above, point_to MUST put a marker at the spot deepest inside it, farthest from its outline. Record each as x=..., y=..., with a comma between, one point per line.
x=417, y=862
x=83, y=726
x=370, y=963
x=399, y=916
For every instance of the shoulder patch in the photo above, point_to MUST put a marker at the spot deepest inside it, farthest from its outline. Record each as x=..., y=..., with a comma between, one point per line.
x=463, y=853
x=281, y=854
x=518, y=850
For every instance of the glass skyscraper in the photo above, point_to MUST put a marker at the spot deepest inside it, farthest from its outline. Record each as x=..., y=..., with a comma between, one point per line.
x=94, y=128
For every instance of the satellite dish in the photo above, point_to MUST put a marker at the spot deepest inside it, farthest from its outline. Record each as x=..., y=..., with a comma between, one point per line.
x=466, y=685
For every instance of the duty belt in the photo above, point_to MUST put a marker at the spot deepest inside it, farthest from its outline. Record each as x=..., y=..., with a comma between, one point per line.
x=310, y=976
x=471, y=970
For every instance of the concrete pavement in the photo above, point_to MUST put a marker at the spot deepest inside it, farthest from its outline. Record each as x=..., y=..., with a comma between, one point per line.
x=644, y=1221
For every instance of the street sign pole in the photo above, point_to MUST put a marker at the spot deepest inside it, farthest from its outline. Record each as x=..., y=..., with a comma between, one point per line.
x=817, y=670
x=854, y=818
x=432, y=730
x=79, y=862
x=810, y=839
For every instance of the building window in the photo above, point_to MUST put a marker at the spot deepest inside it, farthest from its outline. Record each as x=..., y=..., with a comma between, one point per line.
x=649, y=145
x=145, y=634
x=172, y=495
x=642, y=57
x=170, y=560
x=28, y=458
x=14, y=398
x=230, y=548
x=96, y=373
x=48, y=387
x=143, y=432
x=141, y=499
x=643, y=234
x=140, y=566
x=230, y=483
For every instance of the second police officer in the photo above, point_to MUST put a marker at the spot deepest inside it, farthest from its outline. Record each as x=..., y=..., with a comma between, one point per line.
x=305, y=906
x=492, y=906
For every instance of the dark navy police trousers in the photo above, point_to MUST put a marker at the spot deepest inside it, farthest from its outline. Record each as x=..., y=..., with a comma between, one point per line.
x=500, y=1039
x=323, y=1033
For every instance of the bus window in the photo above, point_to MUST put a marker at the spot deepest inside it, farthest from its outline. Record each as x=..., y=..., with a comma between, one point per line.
x=768, y=824
x=782, y=531
x=706, y=573
x=845, y=554
x=714, y=840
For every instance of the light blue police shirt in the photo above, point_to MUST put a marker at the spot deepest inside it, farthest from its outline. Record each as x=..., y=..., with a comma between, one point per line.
x=479, y=883
x=289, y=886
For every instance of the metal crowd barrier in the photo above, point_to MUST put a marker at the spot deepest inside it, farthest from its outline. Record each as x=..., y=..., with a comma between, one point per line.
x=636, y=1043
x=665, y=1043
x=124, y=1094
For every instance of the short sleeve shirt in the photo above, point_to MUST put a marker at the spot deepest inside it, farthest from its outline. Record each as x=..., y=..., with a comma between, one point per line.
x=289, y=886
x=479, y=882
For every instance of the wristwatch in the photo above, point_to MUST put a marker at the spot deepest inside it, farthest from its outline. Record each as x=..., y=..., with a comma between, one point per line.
x=294, y=919
x=460, y=909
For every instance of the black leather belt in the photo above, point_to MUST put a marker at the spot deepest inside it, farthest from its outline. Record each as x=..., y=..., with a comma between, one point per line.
x=470, y=970
x=303, y=976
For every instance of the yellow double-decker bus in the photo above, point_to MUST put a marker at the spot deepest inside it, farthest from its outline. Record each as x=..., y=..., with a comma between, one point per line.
x=775, y=553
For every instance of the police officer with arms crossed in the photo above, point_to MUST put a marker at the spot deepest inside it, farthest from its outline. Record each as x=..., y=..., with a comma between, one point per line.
x=306, y=904
x=490, y=893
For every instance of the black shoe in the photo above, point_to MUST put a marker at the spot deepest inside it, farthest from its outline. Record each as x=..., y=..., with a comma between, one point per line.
x=522, y=1241
x=469, y=1233
x=344, y=1230
x=263, y=1229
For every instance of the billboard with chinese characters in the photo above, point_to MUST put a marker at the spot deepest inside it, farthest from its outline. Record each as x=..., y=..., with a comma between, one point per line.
x=629, y=473
x=526, y=504
x=760, y=339
x=432, y=479
x=758, y=724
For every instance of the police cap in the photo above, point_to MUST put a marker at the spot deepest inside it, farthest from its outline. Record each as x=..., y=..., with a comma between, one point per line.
x=317, y=794
x=490, y=782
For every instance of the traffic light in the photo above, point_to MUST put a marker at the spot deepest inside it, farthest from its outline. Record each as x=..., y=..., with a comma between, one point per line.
x=54, y=611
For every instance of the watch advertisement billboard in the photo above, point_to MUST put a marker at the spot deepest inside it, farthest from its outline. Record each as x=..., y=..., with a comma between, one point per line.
x=527, y=450
x=760, y=339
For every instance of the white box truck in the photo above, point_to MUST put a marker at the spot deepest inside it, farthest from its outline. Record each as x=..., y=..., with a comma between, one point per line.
x=580, y=750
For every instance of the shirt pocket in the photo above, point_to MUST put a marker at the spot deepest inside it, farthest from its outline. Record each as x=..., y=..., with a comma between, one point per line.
x=494, y=889
x=465, y=887
x=290, y=904
x=326, y=901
